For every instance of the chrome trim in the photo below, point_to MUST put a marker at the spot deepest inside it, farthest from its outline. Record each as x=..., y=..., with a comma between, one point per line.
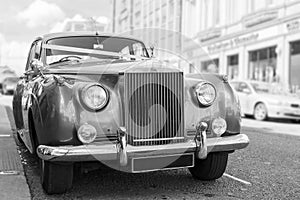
x=109, y=151
x=84, y=90
x=153, y=88
x=158, y=139
x=122, y=146
x=200, y=85
x=201, y=140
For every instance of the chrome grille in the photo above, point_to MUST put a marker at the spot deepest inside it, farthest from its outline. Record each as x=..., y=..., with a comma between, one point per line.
x=154, y=108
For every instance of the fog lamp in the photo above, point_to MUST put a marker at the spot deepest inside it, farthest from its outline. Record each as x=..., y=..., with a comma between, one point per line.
x=87, y=133
x=219, y=126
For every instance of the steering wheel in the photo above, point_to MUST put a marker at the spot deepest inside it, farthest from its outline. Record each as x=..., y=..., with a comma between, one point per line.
x=67, y=58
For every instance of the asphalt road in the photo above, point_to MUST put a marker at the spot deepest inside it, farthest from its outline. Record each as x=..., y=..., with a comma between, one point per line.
x=271, y=164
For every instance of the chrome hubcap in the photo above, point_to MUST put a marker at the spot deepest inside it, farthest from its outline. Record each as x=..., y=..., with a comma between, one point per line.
x=260, y=112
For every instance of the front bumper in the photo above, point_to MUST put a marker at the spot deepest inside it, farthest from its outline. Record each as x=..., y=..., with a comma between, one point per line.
x=106, y=152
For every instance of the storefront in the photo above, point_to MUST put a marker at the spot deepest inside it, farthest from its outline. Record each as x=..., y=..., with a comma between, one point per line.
x=262, y=64
x=295, y=65
x=269, y=52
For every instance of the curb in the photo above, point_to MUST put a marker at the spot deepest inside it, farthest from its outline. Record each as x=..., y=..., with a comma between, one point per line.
x=13, y=184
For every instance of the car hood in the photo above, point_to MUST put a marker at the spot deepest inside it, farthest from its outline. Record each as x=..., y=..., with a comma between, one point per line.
x=283, y=98
x=110, y=67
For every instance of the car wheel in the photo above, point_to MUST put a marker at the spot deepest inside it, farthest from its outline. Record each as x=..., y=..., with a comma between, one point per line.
x=260, y=112
x=210, y=168
x=56, y=178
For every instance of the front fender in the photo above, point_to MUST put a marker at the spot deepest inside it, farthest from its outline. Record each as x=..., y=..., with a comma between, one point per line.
x=226, y=104
x=62, y=112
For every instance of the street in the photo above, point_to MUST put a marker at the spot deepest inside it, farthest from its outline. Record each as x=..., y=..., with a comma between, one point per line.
x=267, y=169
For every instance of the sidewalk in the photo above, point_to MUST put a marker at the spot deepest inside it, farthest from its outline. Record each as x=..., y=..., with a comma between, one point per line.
x=13, y=183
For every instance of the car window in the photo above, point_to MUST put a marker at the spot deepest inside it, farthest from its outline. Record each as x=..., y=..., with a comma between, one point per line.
x=243, y=87
x=30, y=56
x=38, y=49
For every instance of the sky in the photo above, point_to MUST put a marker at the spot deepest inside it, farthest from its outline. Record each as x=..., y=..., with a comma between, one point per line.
x=21, y=21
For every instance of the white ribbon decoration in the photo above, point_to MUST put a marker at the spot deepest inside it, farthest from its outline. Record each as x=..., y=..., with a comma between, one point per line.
x=90, y=51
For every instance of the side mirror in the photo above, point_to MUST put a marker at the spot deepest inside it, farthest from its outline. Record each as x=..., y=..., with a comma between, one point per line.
x=36, y=65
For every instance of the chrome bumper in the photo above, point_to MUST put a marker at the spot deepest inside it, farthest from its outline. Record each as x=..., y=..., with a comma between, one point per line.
x=111, y=151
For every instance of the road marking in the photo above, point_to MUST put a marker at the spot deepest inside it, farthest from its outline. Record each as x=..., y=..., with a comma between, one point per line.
x=9, y=173
x=237, y=179
x=5, y=135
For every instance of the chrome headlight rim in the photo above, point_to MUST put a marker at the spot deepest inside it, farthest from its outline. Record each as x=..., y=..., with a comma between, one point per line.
x=83, y=94
x=200, y=101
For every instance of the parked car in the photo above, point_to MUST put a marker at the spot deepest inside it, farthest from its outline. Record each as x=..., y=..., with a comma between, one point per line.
x=263, y=100
x=9, y=85
x=88, y=97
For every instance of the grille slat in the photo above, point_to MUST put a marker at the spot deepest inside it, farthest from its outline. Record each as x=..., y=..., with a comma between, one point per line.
x=154, y=108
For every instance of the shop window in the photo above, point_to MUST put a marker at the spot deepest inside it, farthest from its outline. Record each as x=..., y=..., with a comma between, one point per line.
x=233, y=66
x=262, y=65
x=295, y=66
x=210, y=66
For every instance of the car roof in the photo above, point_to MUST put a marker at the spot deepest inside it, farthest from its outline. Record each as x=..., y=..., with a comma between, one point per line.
x=82, y=33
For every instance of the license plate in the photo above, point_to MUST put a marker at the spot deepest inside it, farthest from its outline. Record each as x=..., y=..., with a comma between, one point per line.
x=154, y=163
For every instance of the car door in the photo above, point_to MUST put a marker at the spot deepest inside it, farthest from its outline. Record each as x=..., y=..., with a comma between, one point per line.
x=26, y=97
x=244, y=93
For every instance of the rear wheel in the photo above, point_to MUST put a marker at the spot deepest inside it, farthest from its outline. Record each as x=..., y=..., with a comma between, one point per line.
x=56, y=178
x=260, y=112
x=210, y=168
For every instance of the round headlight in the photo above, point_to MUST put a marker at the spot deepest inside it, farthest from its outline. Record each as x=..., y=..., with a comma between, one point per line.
x=219, y=126
x=206, y=93
x=94, y=96
x=87, y=133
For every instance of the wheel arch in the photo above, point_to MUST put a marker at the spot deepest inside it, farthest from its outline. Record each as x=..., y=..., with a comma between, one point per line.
x=32, y=131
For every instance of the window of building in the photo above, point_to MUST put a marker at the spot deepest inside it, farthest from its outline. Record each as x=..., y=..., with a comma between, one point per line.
x=210, y=66
x=164, y=15
x=157, y=16
x=262, y=64
x=216, y=12
x=233, y=66
x=171, y=9
x=295, y=65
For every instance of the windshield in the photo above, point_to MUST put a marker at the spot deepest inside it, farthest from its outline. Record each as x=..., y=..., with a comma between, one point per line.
x=270, y=88
x=95, y=47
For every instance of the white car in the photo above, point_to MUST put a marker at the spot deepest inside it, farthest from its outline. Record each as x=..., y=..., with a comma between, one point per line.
x=263, y=100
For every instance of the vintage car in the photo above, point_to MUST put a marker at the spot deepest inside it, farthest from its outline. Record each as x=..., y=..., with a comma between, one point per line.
x=264, y=100
x=88, y=98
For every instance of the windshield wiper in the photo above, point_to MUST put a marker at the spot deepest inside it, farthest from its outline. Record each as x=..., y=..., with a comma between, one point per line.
x=66, y=59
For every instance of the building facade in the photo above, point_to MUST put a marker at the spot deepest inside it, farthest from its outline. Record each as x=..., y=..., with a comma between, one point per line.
x=246, y=39
x=157, y=23
x=78, y=23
